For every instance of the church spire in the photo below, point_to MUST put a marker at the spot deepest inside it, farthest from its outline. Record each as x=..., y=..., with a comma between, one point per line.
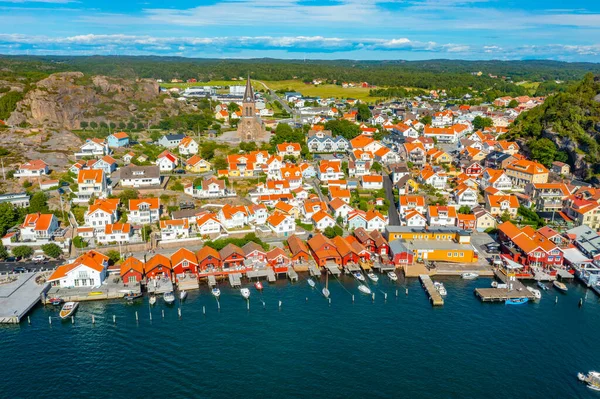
x=249, y=93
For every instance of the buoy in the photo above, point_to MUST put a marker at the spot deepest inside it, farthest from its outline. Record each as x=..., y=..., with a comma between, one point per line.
x=114, y=319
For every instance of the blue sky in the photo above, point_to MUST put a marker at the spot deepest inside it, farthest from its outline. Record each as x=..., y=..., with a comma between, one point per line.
x=324, y=29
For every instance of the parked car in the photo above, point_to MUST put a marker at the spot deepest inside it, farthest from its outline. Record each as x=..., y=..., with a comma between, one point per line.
x=19, y=269
x=38, y=258
x=179, y=171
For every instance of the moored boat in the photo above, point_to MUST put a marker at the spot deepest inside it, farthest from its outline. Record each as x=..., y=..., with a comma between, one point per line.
x=325, y=289
x=68, y=309
x=311, y=282
x=364, y=289
x=542, y=286
x=469, y=276
x=536, y=293
x=258, y=285
x=182, y=295
x=440, y=288
x=130, y=296
x=373, y=277
x=216, y=292
x=516, y=301
x=169, y=297
x=592, y=379
x=358, y=276
x=393, y=276
x=152, y=300
x=245, y=293
x=560, y=286
x=55, y=301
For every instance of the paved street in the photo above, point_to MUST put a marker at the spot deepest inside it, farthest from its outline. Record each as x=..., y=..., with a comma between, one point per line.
x=278, y=99
x=8, y=266
x=394, y=218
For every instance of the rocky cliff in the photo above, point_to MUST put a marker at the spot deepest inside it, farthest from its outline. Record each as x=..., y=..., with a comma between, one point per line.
x=64, y=100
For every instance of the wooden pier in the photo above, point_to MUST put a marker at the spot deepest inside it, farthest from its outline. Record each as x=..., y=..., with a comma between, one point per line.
x=516, y=289
x=292, y=275
x=267, y=273
x=235, y=279
x=434, y=296
x=332, y=268
x=314, y=271
x=18, y=294
x=212, y=281
x=352, y=267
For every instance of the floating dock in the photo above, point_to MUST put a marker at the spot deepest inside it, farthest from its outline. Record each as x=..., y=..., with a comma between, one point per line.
x=563, y=274
x=314, y=270
x=235, y=279
x=516, y=290
x=18, y=294
x=434, y=296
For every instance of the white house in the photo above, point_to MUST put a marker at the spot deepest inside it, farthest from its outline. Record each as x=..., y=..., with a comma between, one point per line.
x=88, y=270
x=101, y=213
x=372, y=182
x=465, y=195
x=33, y=168
x=38, y=226
x=414, y=218
x=441, y=215
x=321, y=220
x=188, y=146
x=91, y=183
x=497, y=179
x=233, y=216
x=281, y=224
x=330, y=170
x=340, y=208
x=139, y=176
x=174, y=229
x=375, y=221
x=144, y=211
x=115, y=232
x=167, y=162
x=208, y=224
x=93, y=148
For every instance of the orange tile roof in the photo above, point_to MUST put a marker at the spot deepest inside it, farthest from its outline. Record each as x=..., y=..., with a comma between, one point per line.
x=205, y=252
x=39, y=221
x=183, y=254
x=276, y=218
x=120, y=135
x=117, y=228
x=134, y=204
x=372, y=179
x=92, y=259
x=96, y=175
x=157, y=260
x=132, y=263
x=361, y=141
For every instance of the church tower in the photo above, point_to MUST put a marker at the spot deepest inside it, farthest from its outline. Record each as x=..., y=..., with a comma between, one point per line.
x=249, y=127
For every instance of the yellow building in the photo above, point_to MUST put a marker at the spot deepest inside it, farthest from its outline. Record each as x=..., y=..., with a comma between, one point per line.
x=197, y=165
x=409, y=233
x=524, y=171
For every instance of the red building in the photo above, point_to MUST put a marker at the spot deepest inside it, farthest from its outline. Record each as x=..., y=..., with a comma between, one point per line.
x=347, y=253
x=184, y=262
x=279, y=260
x=209, y=261
x=362, y=252
x=465, y=222
x=323, y=250
x=158, y=266
x=473, y=170
x=365, y=239
x=132, y=271
x=382, y=247
x=529, y=248
x=232, y=256
x=254, y=252
x=298, y=249
x=399, y=253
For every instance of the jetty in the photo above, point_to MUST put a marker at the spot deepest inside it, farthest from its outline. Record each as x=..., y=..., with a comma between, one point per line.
x=159, y=286
x=434, y=296
x=516, y=289
x=563, y=274
x=352, y=267
x=18, y=294
x=212, y=281
x=314, y=270
x=333, y=268
x=292, y=275
x=261, y=273
x=235, y=279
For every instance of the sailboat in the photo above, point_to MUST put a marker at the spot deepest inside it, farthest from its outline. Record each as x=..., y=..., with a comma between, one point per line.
x=326, y=288
x=311, y=282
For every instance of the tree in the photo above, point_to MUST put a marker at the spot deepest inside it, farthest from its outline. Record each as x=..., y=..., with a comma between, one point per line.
x=364, y=113
x=376, y=167
x=543, y=150
x=84, y=125
x=339, y=220
x=344, y=128
x=79, y=242
x=505, y=217
x=38, y=203
x=513, y=103
x=331, y=232
x=233, y=107
x=94, y=125
x=465, y=210
x=8, y=217
x=113, y=256
x=22, y=251
x=128, y=194
x=52, y=250
x=146, y=232
x=480, y=122
x=220, y=163
x=426, y=120
x=155, y=136
x=122, y=125
x=362, y=205
x=3, y=252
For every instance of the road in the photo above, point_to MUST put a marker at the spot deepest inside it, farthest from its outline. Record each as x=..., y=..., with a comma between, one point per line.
x=8, y=266
x=278, y=99
x=394, y=218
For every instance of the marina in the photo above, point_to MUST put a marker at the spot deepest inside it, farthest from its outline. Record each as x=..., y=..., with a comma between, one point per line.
x=514, y=290
x=434, y=296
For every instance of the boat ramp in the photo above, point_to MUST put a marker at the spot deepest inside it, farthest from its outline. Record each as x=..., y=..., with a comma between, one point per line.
x=212, y=281
x=434, y=296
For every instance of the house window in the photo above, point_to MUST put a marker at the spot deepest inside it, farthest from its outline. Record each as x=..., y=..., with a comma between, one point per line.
x=132, y=279
x=185, y=263
x=449, y=254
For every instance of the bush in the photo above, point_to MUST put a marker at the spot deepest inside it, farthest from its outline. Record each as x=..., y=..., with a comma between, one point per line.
x=22, y=251
x=52, y=250
x=79, y=242
x=113, y=256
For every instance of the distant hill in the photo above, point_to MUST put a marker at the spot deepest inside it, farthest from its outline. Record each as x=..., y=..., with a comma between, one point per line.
x=565, y=128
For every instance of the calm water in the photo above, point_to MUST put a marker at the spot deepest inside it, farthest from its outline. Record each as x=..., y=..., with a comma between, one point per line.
x=401, y=347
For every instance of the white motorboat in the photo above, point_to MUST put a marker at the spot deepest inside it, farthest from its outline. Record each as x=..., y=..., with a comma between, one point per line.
x=325, y=290
x=537, y=294
x=440, y=288
x=216, y=292
x=469, y=276
x=169, y=297
x=592, y=379
x=373, y=277
x=494, y=284
x=560, y=286
x=182, y=295
x=68, y=309
x=364, y=289
x=393, y=276
x=358, y=276
x=152, y=300
x=245, y=292
x=311, y=282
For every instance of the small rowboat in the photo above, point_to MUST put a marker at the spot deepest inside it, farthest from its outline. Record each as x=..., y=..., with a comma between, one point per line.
x=258, y=285
x=542, y=286
x=560, y=286
x=169, y=297
x=130, y=296
x=516, y=301
x=311, y=282
x=364, y=289
x=152, y=299
x=245, y=293
x=55, y=301
x=182, y=295
x=469, y=276
x=393, y=276
x=216, y=292
x=68, y=309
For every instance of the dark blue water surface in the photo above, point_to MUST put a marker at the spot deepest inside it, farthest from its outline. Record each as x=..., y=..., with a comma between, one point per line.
x=401, y=347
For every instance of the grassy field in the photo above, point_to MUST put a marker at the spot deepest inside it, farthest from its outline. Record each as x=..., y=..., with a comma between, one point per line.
x=293, y=85
x=530, y=86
